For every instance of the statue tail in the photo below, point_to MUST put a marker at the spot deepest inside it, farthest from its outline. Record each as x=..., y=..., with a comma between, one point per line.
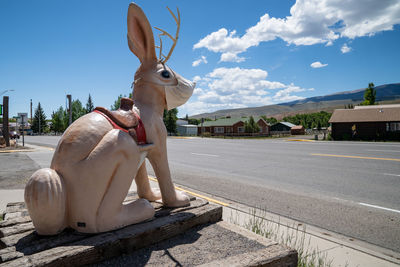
x=45, y=198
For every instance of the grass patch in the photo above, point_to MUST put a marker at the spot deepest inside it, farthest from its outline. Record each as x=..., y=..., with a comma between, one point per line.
x=293, y=236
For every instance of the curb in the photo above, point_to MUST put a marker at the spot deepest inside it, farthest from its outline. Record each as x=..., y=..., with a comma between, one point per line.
x=17, y=150
x=300, y=140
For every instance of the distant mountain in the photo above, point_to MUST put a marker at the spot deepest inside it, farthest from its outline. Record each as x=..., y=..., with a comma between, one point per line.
x=383, y=92
x=388, y=93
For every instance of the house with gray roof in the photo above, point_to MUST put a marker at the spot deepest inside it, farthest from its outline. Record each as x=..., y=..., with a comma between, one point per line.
x=282, y=127
x=185, y=129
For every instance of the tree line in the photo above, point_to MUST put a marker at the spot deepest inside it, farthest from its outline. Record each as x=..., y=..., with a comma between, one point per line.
x=59, y=121
x=60, y=118
x=311, y=120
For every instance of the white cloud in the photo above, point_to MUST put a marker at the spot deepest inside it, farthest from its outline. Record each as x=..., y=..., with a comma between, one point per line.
x=203, y=59
x=286, y=94
x=310, y=22
x=317, y=65
x=198, y=91
x=197, y=107
x=231, y=57
x=226, y=88
x=271, y=85
x=196, y=78
x=345, y=49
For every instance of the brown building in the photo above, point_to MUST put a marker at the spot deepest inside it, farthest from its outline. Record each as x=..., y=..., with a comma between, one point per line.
x=379, y=122
x=232, y=127
x=297, y=130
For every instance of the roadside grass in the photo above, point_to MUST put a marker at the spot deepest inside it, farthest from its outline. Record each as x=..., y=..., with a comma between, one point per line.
x=293, y=236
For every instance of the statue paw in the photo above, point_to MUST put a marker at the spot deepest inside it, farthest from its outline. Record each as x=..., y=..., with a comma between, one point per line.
x=152, y=195
x=180, y=200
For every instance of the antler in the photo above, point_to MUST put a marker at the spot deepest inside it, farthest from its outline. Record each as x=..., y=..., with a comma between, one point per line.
x=174, y=40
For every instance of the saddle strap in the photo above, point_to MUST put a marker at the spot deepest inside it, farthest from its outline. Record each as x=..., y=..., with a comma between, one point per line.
x=137, y=132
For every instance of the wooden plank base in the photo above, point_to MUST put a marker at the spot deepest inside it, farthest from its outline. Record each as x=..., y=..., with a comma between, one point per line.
x=21, y=246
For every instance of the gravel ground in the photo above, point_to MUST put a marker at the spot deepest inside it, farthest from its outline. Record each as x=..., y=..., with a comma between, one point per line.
x=196, y=246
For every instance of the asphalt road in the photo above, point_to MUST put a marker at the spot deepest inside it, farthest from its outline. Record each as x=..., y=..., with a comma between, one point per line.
x=352, y=188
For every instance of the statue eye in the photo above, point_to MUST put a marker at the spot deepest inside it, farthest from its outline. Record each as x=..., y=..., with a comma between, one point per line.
x=165, y=74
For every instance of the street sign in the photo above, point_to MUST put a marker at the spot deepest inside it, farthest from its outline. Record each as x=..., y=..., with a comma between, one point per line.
x=1, y=109
x=23, y=121
x=22, y=118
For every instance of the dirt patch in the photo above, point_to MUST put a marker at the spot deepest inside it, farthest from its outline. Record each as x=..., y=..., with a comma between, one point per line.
x=11, y=148
x=199, y=245
x=13, y=145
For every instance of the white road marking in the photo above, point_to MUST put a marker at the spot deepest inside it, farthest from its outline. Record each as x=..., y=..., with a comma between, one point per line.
x=379, y=207
x=390, y=174
x=208, y=155
x=384, y=150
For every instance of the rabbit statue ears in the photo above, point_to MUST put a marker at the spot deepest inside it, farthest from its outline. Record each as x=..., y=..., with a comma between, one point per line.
x=140, y=35
x=177, y=90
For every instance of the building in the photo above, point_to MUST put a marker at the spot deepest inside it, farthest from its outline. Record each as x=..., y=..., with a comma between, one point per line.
x=185, y=129
x=282, y=127
x=13, y=126
x=232, y=127
x=297, y=130
x=377, y=122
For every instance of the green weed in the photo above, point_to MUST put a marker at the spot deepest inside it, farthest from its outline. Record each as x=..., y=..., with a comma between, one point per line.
x=293, y=236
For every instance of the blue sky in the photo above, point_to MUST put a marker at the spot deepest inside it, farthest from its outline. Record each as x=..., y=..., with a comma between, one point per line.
x=240, y=53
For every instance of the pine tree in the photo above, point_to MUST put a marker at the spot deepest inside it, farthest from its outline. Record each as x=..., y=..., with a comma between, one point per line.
x=39, y=124
x=369, y=95
x=251, y=126
x=89, y=105
x=117, y=103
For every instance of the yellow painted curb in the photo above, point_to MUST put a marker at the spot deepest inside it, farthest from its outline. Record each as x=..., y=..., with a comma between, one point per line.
x=353, y=157
x=17, y=150
x=301, y=140
x=195, y=194
x=47, y=147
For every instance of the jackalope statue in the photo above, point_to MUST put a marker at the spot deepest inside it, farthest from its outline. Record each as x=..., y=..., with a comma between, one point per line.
x=100, y=153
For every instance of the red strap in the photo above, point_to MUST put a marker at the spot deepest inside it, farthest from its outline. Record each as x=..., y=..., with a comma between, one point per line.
x=140, y=131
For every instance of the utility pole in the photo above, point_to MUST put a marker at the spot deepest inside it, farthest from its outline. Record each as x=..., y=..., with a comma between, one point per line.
x=69, y=110
x=23, y=129
x=31, y=112
x=6, y=132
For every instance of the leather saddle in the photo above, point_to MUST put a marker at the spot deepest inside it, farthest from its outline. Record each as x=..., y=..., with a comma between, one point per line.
x=125, y=119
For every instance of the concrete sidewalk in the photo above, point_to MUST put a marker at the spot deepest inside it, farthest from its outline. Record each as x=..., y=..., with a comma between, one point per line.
x=339, y=250
x=333, y=247
x=40, y=157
